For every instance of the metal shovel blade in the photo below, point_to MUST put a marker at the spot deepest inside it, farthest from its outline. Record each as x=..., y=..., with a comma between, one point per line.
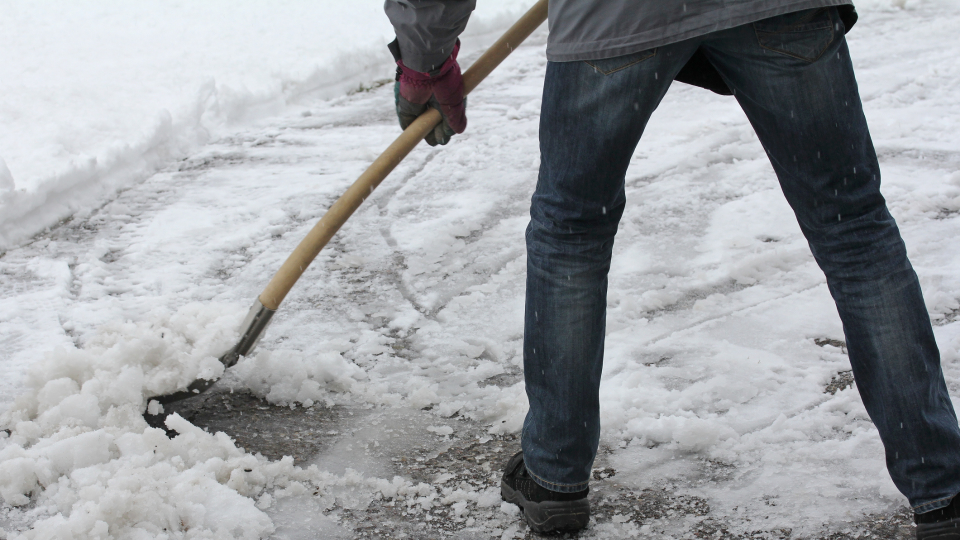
x=254, y=325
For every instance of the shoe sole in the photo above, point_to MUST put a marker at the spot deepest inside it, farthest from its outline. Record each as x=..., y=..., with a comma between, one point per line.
x=939, y=531
x=549, y=516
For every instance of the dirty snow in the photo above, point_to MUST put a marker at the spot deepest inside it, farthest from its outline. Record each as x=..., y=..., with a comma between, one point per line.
x=722, y=339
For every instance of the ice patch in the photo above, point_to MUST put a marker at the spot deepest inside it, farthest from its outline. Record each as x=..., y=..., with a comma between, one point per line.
x=441, y=430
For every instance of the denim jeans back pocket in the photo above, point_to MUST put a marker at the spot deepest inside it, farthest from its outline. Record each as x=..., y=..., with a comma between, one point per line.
x=608, y=66
x=804, y=35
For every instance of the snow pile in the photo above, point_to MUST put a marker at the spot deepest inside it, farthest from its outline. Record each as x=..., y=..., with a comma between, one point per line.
x=286, y=376
x=110, y=483
x=123, y=363
x=136, y=485
x=80, y=448
x=99, y=95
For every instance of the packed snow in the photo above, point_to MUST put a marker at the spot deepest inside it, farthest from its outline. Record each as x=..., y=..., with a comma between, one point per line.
x=100, y=95
x=725, y=361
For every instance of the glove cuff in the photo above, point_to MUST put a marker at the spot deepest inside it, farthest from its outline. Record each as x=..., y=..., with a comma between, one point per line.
x=419, y=76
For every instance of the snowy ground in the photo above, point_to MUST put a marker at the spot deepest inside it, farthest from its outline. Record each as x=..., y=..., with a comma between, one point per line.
x=727, y=411
x=98, y=95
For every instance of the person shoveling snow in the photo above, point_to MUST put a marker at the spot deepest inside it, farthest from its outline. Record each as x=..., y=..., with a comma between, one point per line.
x=610, y=64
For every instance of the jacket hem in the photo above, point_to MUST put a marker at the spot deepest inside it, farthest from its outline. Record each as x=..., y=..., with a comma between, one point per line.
x=599, y=50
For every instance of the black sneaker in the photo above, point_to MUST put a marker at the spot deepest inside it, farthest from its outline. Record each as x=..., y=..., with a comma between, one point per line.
x=942, y=524
x=545, y=511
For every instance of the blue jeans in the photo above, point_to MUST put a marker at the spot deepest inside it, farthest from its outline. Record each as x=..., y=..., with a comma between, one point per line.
x=793, y=77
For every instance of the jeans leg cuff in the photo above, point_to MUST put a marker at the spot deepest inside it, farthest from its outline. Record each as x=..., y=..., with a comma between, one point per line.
x=559, y=488
x=927, y=507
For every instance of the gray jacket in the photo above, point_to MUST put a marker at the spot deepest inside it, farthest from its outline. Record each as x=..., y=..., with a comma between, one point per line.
x=427, y=30
x=586, y=29
x=593, y=29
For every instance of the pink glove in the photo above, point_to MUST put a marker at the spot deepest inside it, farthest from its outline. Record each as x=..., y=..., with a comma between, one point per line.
x=441, y=89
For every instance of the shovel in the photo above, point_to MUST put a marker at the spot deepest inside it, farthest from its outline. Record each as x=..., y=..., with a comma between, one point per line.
x=269, y=300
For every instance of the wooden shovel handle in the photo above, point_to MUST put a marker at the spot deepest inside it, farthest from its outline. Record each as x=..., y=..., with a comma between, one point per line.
x=343, y=208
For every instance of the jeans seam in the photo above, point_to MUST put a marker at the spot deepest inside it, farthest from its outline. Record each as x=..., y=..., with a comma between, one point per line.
x=833, y=37
x=918, y=507
x=541, y=481
x=612, y=71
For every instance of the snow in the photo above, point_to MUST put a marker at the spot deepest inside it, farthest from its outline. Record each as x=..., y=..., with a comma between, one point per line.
x=721, y=333
x=99, y=95
x=80, y=446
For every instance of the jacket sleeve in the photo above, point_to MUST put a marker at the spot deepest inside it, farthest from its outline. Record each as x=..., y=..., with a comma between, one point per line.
x=427, y=30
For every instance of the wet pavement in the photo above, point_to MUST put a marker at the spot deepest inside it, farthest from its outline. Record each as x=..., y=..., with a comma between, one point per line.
x=455, y=454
